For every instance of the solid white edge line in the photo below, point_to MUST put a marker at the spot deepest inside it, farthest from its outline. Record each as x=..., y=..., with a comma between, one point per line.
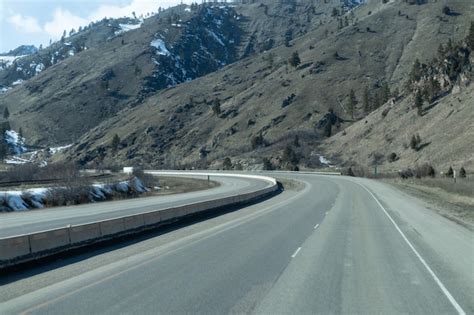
x=430, y=271
x=316, y=226
x=296, y=252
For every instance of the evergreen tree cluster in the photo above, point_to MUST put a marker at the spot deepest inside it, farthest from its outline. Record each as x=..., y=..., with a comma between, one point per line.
x=452, y=60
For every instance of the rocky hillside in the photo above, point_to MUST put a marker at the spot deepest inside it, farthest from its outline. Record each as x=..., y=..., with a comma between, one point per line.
x=261, y=82
x=117, y=64
x=434, y=125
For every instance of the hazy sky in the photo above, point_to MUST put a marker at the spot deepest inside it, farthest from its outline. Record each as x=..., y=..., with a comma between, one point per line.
x=37, y=21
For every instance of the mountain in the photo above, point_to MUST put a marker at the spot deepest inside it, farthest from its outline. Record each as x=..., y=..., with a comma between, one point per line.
x=118, y=69
x=194, y=85
x=22, y=50
x=8, y=59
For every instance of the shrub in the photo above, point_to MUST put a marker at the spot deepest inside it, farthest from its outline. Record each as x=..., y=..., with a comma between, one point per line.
x=350, y=172
x=257, y=141
x=415, y=142
x=408, y=173
x=148, y=180
x=392, y=157
x=295, y=60
x=66, y=196
x=238, y=166
x=425, y=170
x=267, y=164
x=227, y=164
x=115, y=142
x=289, y=156
x=462, y=173
x=216, y=107
x=450, y=172
x=446, y=10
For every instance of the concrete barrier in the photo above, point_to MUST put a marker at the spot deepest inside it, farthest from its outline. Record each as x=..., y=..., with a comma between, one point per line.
x=152, y=217
x=26, y=247
x=11, y=248
x=85, y=232
x=133, y=222
x=111, y=227
x=49, y=240
x=167, y=214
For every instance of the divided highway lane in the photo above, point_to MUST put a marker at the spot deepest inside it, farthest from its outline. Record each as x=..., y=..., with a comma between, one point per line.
x=340, y=245
x=16, y=223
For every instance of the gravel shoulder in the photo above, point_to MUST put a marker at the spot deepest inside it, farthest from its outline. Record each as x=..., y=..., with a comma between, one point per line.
x=454, y=201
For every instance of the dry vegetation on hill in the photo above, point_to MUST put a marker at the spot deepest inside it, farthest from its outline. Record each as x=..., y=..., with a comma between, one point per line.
x=293, y=64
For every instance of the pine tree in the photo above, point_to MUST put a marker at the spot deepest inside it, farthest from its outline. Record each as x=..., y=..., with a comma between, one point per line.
x=295, y=60
x=432, y=90
x=227, y=164
x=270, y=60
x=366, y=101
x=328, y=130
x=415, y=75
x=462, y=173
x=414, y=143
x=352, y=103
x=296, y=141
x=470, y=37
x=267, y=164
x=289, y=156
x=419, y=102
x=350, y=172
x=450, y=172
x=3, y=150
x=6, y=113
x=216, y=107
x=257, y=141
x=385, y=93
x=115, y=142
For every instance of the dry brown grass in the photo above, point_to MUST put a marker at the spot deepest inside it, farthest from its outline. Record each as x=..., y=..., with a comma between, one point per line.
x=446, y=129
x=452, y=200
x=178, y=185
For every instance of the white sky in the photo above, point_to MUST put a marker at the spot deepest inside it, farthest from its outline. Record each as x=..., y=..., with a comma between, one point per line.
x=37, y=21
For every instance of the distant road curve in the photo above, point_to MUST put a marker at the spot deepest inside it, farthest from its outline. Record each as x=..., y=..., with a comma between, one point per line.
x=17, y=223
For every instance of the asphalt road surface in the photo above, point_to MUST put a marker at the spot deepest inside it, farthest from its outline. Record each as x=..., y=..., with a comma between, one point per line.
x=334, y=246
x=16, y=223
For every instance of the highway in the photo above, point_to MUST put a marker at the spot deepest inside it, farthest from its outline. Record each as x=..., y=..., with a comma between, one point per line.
x=16, y=223
x=331, y=245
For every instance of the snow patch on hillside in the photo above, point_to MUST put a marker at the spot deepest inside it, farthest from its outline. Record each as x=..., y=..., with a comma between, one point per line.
x=55, y=150
x=216, y=38
x=127, y=27
x=324, y=161
x=15, y=142
x=7, y=61
x=4, y=89
x=160, y=47
x=17, y=82
x=16, y=160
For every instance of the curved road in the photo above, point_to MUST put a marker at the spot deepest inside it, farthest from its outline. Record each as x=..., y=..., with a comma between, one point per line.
x=335, y=245
x=16, y=223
